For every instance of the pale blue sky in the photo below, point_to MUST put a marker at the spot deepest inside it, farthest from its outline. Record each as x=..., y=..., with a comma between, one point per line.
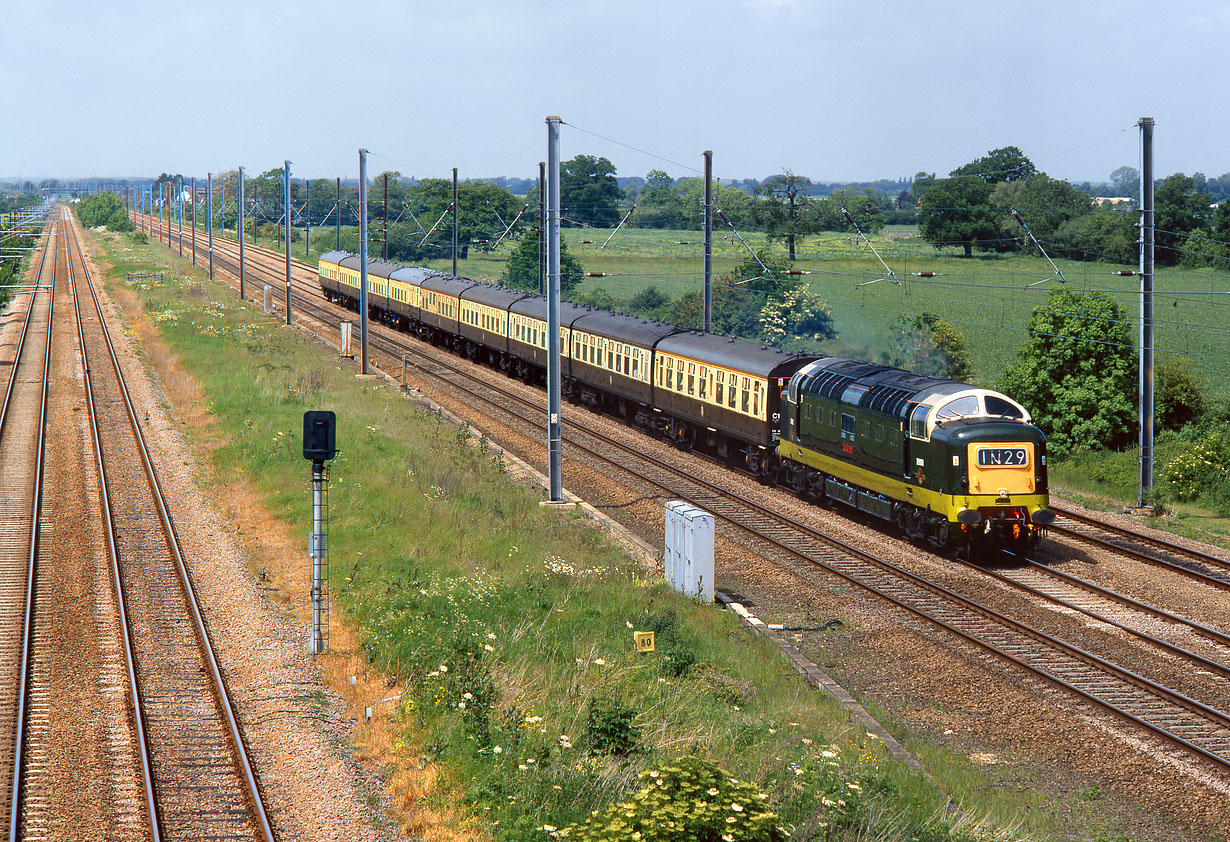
x=832, y=90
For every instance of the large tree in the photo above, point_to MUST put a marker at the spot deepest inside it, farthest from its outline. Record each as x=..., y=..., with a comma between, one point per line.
x=1180, y=210
x=589, y=193
x=1076, y=373
x=1044, y=203
x=659, y=204
x=521, y=270
x=1008, y=163
x=957, y=212
x=1125, y=181
x=785, y=210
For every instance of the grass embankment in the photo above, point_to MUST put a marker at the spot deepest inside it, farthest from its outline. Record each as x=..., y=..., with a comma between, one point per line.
x=511, y=626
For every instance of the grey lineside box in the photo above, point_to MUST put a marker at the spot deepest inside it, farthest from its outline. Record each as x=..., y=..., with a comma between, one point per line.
x=689, y=550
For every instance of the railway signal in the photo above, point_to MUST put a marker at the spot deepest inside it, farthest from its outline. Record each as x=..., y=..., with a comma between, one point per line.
x=319, y=446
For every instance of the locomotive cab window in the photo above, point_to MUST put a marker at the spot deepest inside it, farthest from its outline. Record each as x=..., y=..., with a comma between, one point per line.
x=998, y=406
x=960, y=408
x=918, y=422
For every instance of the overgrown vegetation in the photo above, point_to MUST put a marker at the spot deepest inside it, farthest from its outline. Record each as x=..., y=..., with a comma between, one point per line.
x=104, y=209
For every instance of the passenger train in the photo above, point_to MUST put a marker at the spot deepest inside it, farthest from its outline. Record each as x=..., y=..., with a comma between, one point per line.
x=950, y=464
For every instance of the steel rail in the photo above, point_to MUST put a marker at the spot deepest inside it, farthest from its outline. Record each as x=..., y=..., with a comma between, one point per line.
x=138, y=714
x=392, y=346
x=247, y=773
x=21, y=344
x=1125, y=532
x=27, y=635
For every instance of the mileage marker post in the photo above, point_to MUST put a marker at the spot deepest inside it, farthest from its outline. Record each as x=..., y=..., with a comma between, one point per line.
x=319, y=446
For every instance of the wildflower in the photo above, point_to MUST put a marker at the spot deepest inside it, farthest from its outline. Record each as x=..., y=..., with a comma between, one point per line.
x=872, y=736
x=497, y=750
x=855, y=787
x=730, y=820
x=442, y=668
x=564, y=741
x=726, y=837
x=738, y=808
x=628, y=623
x=600, y=662
x=522, y=766
x=488, y=647
x=461, y=705
x=556, y=786
x=491, y=635
x=806, y=741
x=713, y=790
x=548, y=828
x=468, y=696
x=531, y=760
x=828, y=753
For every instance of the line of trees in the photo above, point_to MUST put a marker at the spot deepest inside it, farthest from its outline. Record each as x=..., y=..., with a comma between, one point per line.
x=971, y=210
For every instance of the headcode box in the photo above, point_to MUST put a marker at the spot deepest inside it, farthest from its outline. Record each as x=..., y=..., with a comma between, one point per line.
x=688, y=559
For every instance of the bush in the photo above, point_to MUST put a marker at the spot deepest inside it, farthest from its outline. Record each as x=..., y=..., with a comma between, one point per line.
x=691, y=801
x=609, y=727
x=1201, y=469
x=1180, y=395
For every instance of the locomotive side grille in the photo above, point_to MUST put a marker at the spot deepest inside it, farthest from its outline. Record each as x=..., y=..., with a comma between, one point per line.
x=831, y=384
x=885, y=399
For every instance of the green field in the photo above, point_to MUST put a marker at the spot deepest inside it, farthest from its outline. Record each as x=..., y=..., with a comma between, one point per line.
x=989, y=297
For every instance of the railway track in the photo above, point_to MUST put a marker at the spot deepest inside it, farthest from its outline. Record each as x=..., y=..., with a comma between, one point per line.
x=1193, y=563
x=201, y=781
x=1182, y=721
x=22, y=427
x=116, y=723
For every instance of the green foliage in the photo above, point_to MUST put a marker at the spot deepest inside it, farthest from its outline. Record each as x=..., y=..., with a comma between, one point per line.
x=1180, y=209
x=785, y=211
x=1180, y=397
x=1102, y=234
x=1076, y=373
x=589, y=192
x=691, y=800
x=927, y=344
x=1045, y=203
x=649, y=300
x=1008, y=163
x=1201, y=469
x=609, y=727
x=99, y=209
x=796, y=312
x=521, y=271
x=735, y=311
x=957, y=212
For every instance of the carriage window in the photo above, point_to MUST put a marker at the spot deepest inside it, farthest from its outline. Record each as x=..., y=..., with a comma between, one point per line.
x=636, y=366
x=717, y=387
x=847, y=427
x=704, y=381
x=691, y=378
x=879, y=432
x=918, y=422
x=747, y=394
x=757, y=388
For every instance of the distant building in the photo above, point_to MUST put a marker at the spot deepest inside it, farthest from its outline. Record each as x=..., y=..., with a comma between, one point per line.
x=1112, y=201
